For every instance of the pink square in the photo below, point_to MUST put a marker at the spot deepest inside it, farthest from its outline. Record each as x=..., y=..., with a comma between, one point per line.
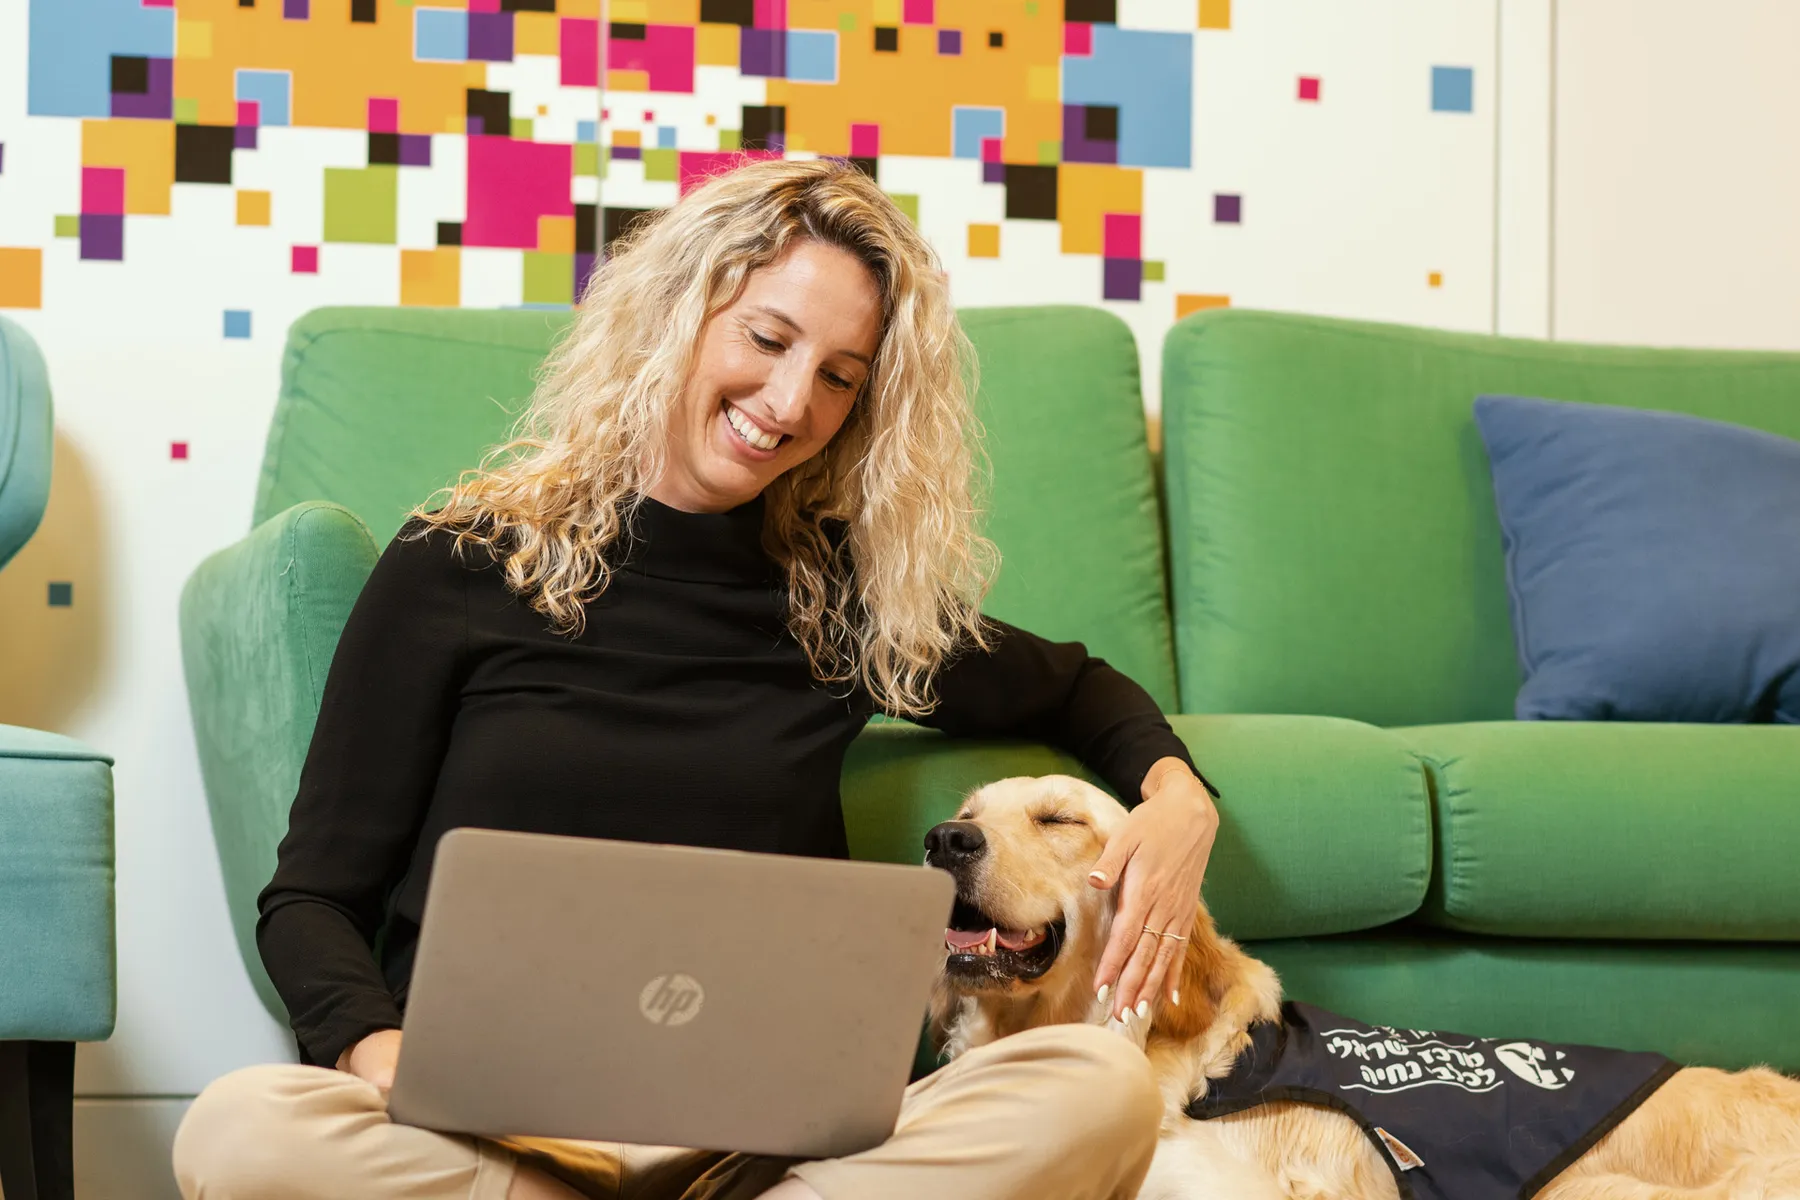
x=249, y=113
x=649, y=117
x=665, y=53
x=103, y=191
x=510, y=184
x=865, y=140
x=484, y=5
x=384, y=114
x=178, y=450
x=159, y=3
x=306, y=260
x=1078, y=38
x=579, y=43
x=1309, y=87
x=1122, y=235
x=771, y=14
x=919, y=12
x=992, y=151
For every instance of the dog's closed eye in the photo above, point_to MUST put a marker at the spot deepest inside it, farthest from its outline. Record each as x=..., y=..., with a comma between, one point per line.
x=1058, y=818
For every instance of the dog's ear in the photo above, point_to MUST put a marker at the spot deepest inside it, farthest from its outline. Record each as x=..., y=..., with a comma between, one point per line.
x=1205, y=971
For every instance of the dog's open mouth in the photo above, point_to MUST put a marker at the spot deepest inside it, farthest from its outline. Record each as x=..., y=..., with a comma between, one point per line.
x=981, y=950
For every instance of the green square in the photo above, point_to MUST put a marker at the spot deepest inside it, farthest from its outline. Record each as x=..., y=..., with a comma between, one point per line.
x=361, y=204
x=659, y=165
x=847, y=22
x=187, y=112
x=731, y=139
x=549, y=278
x=908, y=205
x=521, y=129
x=1031, y=8
x=587, y=158
x=69, y=226
x=1153, y=271
x=1049, y=153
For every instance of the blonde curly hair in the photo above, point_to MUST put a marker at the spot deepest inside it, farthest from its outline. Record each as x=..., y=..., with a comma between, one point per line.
x=549, y=504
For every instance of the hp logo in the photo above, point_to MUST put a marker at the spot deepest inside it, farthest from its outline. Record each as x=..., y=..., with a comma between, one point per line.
x=671, y=999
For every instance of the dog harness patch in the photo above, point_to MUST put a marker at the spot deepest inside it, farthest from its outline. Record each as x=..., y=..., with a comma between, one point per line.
x=1454, y=1117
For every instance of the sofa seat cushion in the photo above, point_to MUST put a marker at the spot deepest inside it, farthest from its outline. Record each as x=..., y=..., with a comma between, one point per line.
x=56, y=888
x=1615, y=830
x=1325, y=823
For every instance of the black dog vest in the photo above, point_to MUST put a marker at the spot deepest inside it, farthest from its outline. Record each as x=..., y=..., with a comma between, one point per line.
x=1454, y=1117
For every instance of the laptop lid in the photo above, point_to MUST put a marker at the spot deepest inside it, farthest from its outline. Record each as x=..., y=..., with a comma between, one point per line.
x=667, y=995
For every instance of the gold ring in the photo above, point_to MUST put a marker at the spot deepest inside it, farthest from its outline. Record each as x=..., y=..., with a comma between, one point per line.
x=1153, y=933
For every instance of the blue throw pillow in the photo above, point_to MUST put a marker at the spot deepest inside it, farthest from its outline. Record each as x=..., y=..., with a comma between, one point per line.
x=1653, y=562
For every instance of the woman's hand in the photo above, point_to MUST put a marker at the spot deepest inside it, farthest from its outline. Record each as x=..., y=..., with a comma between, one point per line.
x=374, y=1058
x=1156, y=860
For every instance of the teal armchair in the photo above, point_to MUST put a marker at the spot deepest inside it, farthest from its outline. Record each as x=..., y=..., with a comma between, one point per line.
x=57, y=960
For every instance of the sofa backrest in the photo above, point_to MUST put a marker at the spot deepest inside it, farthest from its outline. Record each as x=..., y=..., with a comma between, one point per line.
x=25, y=438
x=1333, y=540
x=379, y=407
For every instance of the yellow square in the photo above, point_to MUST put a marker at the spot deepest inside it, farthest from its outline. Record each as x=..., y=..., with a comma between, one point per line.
x=456, y=124
x=578, y=8
x=673, y=12
x=1435, y=279
x=1185, y=304
x=1215, y=14
x=716, y=46
x=193, y=39
x=431, y=277
x=1041, y=83
x=146, y=149
x=629, y=12
x=795, y=141
x=887, y=12
x=537, y=33
x=556, y=235
x=252, y=208
x=628, y=137
x=21, y=277
x=1085, y=193
x=475, y=74
x=628, y=81
x=711, y=119
x=984, y=241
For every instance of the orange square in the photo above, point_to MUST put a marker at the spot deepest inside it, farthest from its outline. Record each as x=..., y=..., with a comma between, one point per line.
x=21, y=277
x=537, y=33
x=556, y=235
x=716, y=45
x=984, y=241
x=432, y=278
x=1185, y=304
x=632, y=81
x=252, y=208
x=145, y=149
x=1215, y=14
x=627, y=137
x=1435, y=279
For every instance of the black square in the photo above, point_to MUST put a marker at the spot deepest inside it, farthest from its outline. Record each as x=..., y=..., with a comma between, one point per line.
x=996, y=39
x=384, y=148
x=1098, y=12
x=887, y=39
x=1101, y=123
x=362, y=11
x=130, y=75
x=203, y=153
x=585, y=218
x=760, y=123
x=494, y=109
x=528, y=6
x=246, y=3
x=615, y=223
x=627, y=32
x=728, y=12
x=1030, y=193
x=449, y=233
x=866, y=166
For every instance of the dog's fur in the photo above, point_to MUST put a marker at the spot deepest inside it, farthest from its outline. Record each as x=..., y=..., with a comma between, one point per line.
x=1704, y=1135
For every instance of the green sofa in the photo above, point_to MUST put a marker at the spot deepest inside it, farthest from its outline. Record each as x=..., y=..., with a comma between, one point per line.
x=1272, y=655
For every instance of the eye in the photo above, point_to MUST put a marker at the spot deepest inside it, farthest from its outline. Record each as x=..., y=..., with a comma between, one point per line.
x=837, y=382
x=765, y=344
x=1058, y=818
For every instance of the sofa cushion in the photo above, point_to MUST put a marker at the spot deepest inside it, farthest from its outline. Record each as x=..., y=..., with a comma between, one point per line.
x=1325, y=822
x=25, y=438
x=1652, y=561
x=1615, y=829
x=58, y=981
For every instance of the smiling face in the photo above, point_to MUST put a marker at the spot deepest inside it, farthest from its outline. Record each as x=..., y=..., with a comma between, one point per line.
x=774, y=379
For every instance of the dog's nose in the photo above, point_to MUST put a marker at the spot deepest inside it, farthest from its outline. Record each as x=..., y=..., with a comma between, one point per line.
x=954, y=841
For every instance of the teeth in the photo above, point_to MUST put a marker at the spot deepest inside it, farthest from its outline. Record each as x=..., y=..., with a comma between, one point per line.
x=748, y=430
x=993, y=938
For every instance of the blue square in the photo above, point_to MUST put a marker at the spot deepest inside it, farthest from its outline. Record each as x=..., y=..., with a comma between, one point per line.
x=1453, y=89
x=587, y=131
x=665, y=137
x=237, y=323
x=440, y=34
x=62, y=595
x=70, y=49
x=1148, y=75
x=270, y=91
x=812, y=55
x=969, y=125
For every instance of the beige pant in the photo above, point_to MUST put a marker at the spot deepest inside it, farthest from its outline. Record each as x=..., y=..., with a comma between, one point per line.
x=1066, y=1112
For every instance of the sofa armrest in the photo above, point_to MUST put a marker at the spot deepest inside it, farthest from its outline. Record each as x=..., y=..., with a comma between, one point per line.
x=259, y=623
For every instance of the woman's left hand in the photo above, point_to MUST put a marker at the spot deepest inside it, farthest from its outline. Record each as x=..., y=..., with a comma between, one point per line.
x=1156, y=861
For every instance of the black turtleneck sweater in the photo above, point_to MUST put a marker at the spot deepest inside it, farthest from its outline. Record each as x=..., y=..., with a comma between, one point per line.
x=684, y=713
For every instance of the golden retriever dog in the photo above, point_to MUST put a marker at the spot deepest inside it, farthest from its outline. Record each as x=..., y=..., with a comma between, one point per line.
x=1022, y=950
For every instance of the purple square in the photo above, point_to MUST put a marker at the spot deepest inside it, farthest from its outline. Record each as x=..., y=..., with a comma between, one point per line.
x=296, y=10
x=763, y=52
x=415, y=149
x=477, y=126
x=949, y=41
x=1123, y=279
x=624, y=153
x=491, y=36
x=1076, y=147
x=584, y=266
x=1228, y=209
x=243, y=137
x=103, y=236
x=156, y=102
x=993, y=172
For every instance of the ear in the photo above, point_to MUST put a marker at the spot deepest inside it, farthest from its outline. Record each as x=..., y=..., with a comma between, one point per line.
x=1205, y=971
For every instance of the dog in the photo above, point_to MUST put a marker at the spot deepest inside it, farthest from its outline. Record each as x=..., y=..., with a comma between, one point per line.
x=1024, y=942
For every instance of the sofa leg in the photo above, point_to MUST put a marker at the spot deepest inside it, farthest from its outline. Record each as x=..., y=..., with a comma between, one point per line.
x=37, y=1110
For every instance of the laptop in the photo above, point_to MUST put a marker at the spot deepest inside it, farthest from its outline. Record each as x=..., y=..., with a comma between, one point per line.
x=666, y=995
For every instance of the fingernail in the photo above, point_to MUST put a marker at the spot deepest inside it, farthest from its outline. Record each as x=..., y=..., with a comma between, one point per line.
x=1143, y=1008
x=1175, y=998
x=1097, y=876
x=1100, y=996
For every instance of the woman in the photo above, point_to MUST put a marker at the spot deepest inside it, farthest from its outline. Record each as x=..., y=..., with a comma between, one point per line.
x=736, y=526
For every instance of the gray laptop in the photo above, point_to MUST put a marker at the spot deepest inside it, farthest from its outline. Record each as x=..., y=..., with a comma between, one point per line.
x=664, y=995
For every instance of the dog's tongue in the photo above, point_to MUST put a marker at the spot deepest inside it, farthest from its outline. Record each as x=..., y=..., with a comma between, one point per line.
x=1012, y=939
x=963, y=939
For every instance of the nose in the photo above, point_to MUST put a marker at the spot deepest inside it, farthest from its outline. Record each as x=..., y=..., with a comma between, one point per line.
x=954, y=842
x=788, y=393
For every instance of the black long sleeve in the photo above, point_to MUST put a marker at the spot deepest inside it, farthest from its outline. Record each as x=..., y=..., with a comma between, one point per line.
x=685, y=712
